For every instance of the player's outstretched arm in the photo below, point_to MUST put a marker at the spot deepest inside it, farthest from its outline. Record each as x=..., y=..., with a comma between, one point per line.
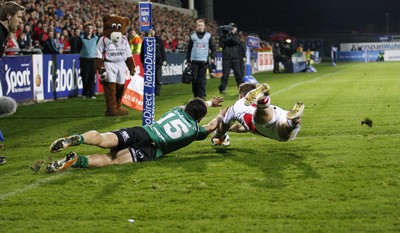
x=215, y=101
x=214, y=123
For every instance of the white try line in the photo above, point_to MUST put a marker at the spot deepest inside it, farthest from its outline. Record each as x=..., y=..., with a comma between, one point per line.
x=31, y=186
x=301, y=83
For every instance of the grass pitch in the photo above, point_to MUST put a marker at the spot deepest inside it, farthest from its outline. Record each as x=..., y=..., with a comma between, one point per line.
x=337, y=176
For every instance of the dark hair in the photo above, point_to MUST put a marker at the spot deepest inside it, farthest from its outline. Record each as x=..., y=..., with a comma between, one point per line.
x=10, y=8
x=196, y=108
x=244, y=88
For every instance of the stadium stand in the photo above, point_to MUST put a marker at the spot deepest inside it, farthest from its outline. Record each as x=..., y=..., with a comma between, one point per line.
x=65, y=16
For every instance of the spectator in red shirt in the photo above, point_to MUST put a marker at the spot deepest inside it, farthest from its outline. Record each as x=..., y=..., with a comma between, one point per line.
x=12, y=43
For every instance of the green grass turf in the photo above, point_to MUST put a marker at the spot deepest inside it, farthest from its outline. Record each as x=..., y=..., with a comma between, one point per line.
x=337, y=176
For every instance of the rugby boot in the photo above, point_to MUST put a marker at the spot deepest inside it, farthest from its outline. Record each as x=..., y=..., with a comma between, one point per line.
x=296, y=112
x=3, y=159
x=62, y=143
x=257, y=94
x=62, y=164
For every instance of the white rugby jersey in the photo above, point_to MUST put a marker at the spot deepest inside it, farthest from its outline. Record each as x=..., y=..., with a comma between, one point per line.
x=110, y=52
x=244, y=115
x=241, y=113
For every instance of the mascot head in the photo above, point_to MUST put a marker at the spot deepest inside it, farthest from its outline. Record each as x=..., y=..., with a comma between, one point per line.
x=114, y=27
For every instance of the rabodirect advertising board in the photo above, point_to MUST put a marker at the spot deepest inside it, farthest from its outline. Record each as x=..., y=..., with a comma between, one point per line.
x=43, y=77
x=61, y=76
x=149, y=44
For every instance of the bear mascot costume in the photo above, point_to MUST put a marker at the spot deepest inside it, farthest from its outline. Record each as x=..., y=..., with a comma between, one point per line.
x=113, y=57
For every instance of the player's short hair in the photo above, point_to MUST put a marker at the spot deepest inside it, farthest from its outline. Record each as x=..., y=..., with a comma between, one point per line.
x=9, y=8
x=201, y=21
x=196, y=108
x=244, y=88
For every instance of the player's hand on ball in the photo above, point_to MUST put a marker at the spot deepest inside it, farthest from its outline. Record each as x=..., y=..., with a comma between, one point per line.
x=225, y=141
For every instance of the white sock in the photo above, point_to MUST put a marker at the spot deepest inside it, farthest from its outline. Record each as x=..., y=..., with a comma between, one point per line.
x=264, y=103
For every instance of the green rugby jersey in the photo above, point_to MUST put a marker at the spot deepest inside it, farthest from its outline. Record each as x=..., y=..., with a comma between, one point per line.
x=175, y=129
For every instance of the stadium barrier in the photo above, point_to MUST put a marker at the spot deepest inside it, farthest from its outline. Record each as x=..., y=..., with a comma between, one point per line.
x=357, y=51
x=298, y=62
x=44, y=77
x=263, y=61
x=392, y=55
x=40, y=77
x=357, y=55
x=372, y=46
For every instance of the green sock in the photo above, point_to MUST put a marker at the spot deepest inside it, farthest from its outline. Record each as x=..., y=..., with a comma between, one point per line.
x=81, y=139
x=82, y=162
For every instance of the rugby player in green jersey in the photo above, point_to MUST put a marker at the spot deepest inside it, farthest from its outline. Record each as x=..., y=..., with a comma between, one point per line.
x=177, y=128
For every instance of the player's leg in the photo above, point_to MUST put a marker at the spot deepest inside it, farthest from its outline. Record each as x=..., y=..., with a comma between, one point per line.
x=263, y=115
x=288, y=129
x=296, y=111
x=260, y=97
x=94, y=160
x=103, y=140
x=114, y=157
x=290, y=126
x=261, y=92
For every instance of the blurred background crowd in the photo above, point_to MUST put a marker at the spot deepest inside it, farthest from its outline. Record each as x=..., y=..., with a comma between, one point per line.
x=57, y=22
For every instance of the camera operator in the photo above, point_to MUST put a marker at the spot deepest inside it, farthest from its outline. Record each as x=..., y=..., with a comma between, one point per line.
x=232, y=55
x=200, y=47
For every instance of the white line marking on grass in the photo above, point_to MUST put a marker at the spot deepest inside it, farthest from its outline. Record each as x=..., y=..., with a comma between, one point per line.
x=301, y=83
x=31, y=186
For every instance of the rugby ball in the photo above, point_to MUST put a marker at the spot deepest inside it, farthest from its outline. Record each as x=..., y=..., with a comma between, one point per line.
x=217, y=142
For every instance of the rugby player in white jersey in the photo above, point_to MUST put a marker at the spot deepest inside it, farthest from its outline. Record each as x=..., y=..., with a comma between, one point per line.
x=256, y=114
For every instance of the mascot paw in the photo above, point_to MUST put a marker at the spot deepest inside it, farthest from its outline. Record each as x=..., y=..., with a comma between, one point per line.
x=103, y=77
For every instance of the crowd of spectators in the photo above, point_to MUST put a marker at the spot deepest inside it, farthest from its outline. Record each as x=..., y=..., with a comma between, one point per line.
x=50, y=25
x=53, y=25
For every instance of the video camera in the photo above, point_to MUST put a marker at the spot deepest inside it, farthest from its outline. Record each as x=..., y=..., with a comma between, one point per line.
x=225, y=29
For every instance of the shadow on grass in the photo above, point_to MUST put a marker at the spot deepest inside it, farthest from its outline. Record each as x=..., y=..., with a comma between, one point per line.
x=274, y=164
